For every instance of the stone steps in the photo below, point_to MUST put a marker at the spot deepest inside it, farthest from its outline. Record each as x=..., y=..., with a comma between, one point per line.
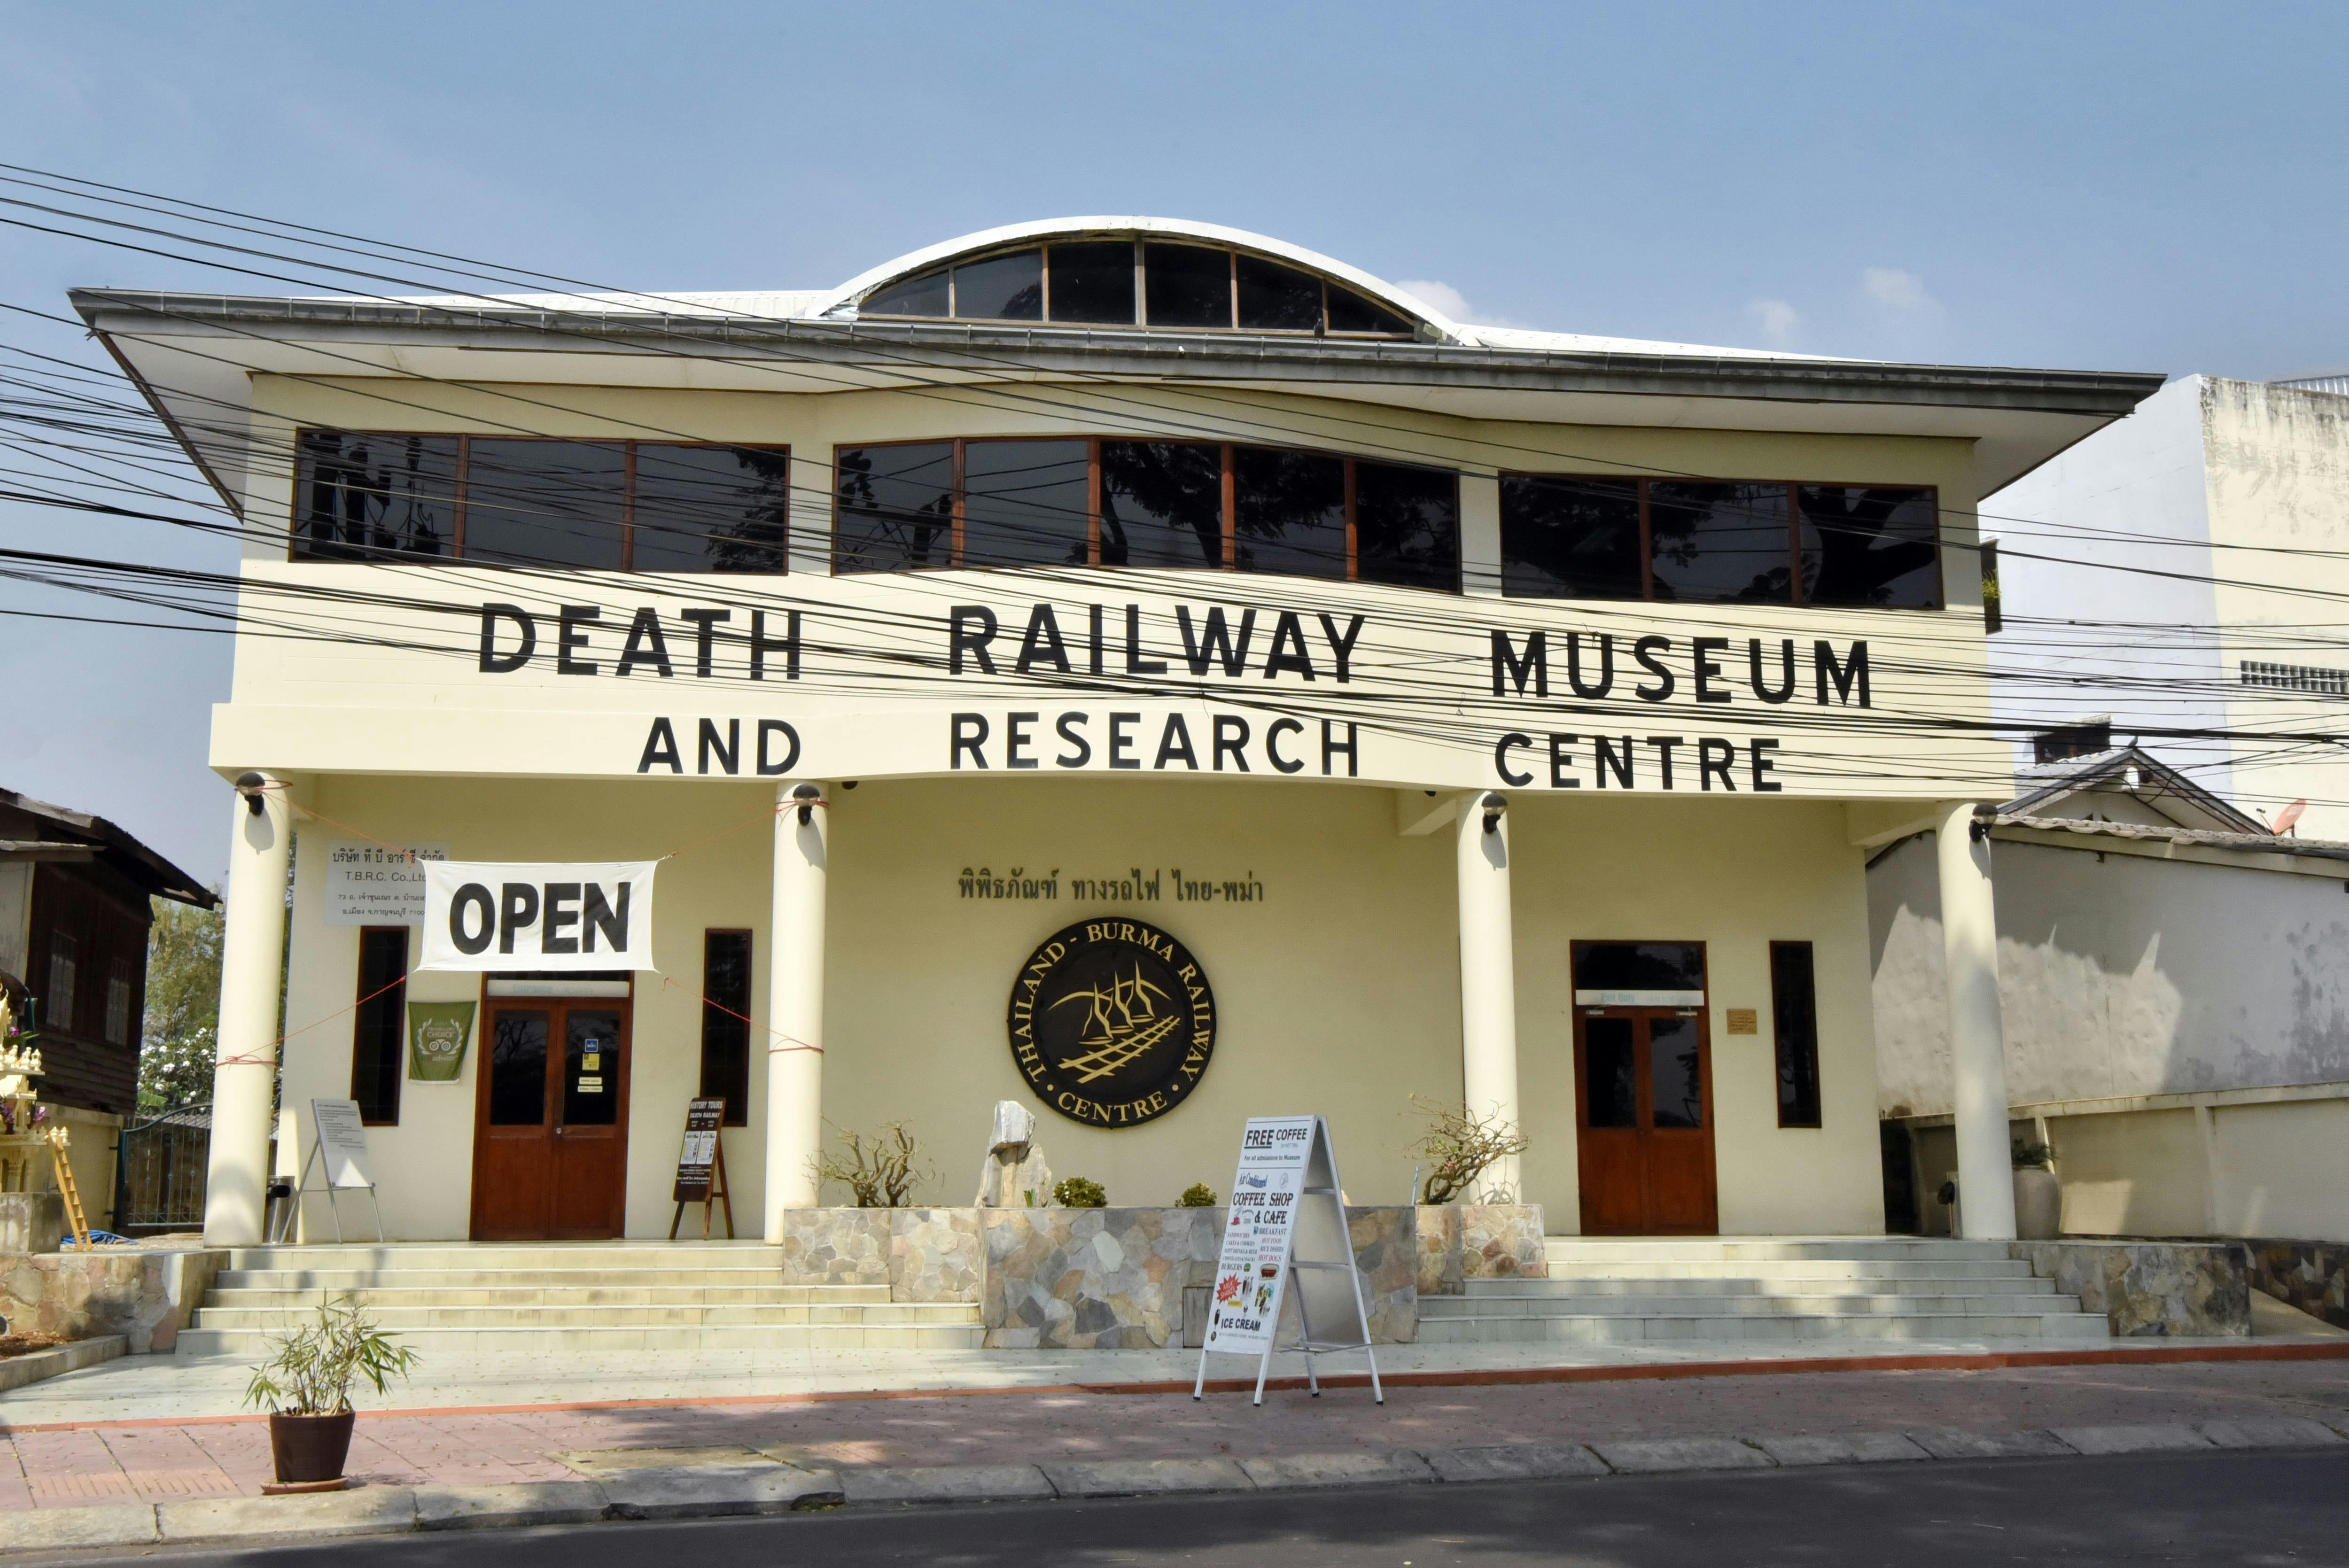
x=1778, y=1288
x=764, y=1277
x=1610, y=1328
x=1751, y=1282
x=573, y=1345
x=1756, y=1304
x=401, y=1319
x=565, y=1300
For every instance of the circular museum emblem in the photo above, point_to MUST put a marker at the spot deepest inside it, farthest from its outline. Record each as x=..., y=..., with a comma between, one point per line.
x=1111, y=1023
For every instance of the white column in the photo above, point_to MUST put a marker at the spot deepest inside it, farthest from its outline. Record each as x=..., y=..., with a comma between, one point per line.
x=1488, y=985
x=253, y=961
x=795, y=1004
x=1977, y=1029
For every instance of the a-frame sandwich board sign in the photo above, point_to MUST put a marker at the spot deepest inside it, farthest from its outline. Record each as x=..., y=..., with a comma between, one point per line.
x=1286, y=1223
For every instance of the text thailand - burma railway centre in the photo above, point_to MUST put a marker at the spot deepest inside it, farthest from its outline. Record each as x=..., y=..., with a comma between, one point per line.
x=1144, y=671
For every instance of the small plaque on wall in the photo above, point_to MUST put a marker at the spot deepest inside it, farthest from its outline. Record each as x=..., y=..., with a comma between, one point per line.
x=1744, y=1021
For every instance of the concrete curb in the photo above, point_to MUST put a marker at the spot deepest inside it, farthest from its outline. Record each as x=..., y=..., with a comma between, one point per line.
x=757, y=1488
x=39, y=1366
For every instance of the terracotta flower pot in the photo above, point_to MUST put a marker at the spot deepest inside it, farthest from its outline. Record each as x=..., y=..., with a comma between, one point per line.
x=310, y=1448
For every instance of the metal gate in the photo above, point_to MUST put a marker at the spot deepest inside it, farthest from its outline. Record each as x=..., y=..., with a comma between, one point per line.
x=159, y=1171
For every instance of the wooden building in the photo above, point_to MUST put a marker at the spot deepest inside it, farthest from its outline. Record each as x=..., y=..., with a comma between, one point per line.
x=73, y=917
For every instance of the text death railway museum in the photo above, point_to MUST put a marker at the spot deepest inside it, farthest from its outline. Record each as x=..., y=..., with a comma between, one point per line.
x=1148, y=673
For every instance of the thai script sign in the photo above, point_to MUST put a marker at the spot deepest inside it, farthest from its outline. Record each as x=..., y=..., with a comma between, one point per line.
x=377, y=884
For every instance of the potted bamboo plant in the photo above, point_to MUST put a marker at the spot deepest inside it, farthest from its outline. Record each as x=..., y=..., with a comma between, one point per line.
x=306, y=1387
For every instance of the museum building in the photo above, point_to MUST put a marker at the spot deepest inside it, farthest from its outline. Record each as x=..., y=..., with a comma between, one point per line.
x=1144, y=671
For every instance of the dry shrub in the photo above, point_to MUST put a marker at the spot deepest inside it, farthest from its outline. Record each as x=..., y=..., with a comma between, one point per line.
x=880, y=1171
x=1457, y=1146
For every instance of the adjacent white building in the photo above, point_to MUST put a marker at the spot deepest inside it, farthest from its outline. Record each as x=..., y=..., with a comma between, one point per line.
x=2179, y=579
x=2175, y=985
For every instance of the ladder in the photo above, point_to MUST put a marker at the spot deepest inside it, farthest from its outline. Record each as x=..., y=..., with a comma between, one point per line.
x=66, y=1189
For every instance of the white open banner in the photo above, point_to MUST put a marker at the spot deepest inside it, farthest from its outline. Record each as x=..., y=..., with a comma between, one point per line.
x=573, y=915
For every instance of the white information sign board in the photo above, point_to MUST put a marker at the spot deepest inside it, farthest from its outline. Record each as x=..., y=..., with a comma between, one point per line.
x=1285, y=1237
x=370, y=884
x=342, y=1142
x=1252, y=1266
x=339, y=1151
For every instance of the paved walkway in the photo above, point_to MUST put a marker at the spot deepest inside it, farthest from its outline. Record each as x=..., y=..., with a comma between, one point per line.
x=173, y=1458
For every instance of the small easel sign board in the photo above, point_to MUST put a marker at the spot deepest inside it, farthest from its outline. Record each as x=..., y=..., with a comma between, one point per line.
x=701, y=1166
x=1286, y=1230
x=339, y=1151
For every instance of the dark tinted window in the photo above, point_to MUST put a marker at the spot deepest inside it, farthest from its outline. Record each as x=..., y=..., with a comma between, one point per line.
x=711, y=509
x=1350, y=311
x=1406, y=526
x=1794, y=1014
x=1001, y=288
x=1093, y=282
x=1026, y=503
x=1675, y=1074
x=1289, y=512
x=1711, y=543
x=517, y=1068
x=1570, y=538
x=1870, y=546
x=1161, y=504
x=896, y=507
x=359, y=495
x=1274, y=298
x=545, y=503
x=1611, y=1091
x=1640, y=966
x=379, y=1050
x=1187, y=285
x=725, y=1022
x=923, y=295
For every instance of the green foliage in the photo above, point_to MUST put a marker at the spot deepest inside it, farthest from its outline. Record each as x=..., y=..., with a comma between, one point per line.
x=1076, y=1192
x=314, y=1367
x=182, y=1025
x=1197, y=1195
x=2032, y=1156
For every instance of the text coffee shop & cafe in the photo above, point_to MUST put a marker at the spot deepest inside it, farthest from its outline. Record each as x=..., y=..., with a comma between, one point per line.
x=1144, y=671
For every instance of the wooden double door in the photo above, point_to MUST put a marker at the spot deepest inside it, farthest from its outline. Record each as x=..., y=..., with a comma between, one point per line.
x=1643, y=1078
x=551, y=1120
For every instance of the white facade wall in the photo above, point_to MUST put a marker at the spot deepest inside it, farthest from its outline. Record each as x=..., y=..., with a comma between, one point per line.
x=2205, y=1005
x=1338, y=992
x=2209, y=528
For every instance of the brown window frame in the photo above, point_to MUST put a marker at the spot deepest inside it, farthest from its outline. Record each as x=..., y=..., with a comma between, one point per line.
x=465, y=440
x=1141, y=322
x=1794, y=598
x=1227, y=458
x=394, y=998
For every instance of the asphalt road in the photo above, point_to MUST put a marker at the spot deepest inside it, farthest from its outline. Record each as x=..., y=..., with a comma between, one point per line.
x=2268, y=1509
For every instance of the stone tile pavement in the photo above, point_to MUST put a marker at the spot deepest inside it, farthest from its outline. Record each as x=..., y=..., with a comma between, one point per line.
x=172, y=1459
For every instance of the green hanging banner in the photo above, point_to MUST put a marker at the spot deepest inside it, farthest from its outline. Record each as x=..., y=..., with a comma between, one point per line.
x=437, y=1032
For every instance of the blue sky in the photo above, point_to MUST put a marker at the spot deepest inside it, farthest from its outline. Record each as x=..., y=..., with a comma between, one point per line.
x=2139, y=186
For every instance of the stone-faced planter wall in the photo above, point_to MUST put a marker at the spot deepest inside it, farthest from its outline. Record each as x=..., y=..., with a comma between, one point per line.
x=1103, y=1279
x=2152, y=1289
x=145, y=1295
x=1461, y=1241
x=920, y=1254
x=2310, y=1275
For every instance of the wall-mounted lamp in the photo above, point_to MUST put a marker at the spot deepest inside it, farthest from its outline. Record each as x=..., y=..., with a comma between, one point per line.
x=250, y=786
x=809, y=797
x=1495, y=805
